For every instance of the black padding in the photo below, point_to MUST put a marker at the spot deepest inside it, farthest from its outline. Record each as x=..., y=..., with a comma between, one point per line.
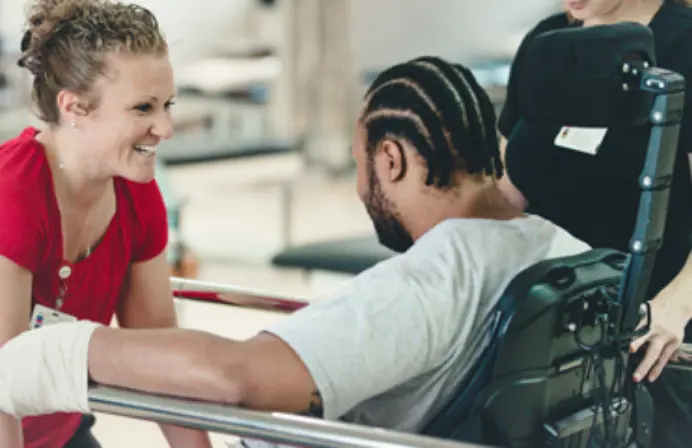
x=184, y=151
x=573, y=76
x=347, y=256
x=531, y=372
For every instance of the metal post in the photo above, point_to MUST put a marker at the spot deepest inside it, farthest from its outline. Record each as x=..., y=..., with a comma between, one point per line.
x=271, y=427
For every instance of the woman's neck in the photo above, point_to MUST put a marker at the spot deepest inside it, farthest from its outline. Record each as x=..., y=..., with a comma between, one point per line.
x=639, y=11
x=76, y=180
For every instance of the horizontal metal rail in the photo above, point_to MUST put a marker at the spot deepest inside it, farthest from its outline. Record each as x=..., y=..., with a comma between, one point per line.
x=235, y=295
x=271, y=427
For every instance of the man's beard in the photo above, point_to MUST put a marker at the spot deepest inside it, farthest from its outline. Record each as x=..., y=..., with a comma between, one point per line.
x=390, y=232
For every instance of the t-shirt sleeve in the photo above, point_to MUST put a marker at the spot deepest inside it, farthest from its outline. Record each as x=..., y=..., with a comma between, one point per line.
x=22, y=238
x=151, y=222
x=378, y=333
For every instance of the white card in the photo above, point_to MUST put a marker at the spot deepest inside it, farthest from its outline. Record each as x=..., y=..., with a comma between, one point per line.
x=43, y=316
x=586, y=140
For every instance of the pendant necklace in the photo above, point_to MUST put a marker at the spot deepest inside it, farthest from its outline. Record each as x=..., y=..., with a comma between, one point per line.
x=65, y=269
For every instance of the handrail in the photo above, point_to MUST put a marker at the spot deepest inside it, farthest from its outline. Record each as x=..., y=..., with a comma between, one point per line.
x=235, y=295
x=271, y=427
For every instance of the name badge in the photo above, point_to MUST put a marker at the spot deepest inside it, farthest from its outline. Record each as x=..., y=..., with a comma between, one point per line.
x=42, y=316
x=585, y=140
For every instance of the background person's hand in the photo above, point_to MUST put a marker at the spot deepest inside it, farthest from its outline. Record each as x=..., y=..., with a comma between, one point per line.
x=669, y=317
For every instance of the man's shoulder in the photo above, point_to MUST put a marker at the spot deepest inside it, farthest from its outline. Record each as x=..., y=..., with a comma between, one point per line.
x=467, y=243
x=487, y=239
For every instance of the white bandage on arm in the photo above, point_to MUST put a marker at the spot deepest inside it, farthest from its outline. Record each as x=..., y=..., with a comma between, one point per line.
x=46, y=370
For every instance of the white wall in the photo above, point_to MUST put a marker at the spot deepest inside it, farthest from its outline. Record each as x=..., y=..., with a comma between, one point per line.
x=191, y=26
x=388, y=31
x=384, y=31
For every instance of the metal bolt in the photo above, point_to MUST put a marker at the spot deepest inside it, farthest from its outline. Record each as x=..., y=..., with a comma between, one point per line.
x=646, y=181
x=637, y=246
x=658, y=116
x=645, y=64
x=625, y=68
x=625, y=87
x=572, y=327
x=659, y=84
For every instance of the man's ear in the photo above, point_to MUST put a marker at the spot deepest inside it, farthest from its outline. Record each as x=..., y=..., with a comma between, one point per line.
x=394, y=160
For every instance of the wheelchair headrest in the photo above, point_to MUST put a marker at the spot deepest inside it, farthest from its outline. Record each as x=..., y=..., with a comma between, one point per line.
x=574, y=76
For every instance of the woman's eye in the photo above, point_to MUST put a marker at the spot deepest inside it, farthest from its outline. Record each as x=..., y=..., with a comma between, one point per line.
x=144, y=107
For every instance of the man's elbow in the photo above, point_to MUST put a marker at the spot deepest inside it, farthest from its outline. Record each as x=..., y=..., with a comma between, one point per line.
x=229, y=383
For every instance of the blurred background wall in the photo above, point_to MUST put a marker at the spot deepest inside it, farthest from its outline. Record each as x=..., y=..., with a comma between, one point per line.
x=382, y=31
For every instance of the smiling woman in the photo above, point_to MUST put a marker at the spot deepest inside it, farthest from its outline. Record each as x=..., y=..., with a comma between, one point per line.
x=83, y=226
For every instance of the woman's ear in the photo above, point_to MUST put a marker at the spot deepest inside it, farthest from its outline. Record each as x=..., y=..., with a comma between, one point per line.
x=70, y=105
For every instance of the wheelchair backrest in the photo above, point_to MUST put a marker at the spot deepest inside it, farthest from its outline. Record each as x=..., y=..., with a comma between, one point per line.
x=535, y=369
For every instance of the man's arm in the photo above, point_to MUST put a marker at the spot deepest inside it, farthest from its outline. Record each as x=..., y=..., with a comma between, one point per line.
x=324, y=359
x=262, y=373
x=148, y=303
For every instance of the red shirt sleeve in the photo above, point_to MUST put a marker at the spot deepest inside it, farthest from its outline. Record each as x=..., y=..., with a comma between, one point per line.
x=22, y=237
x=152, y=222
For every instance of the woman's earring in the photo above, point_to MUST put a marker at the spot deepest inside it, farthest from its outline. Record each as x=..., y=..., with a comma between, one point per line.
x=73, y=124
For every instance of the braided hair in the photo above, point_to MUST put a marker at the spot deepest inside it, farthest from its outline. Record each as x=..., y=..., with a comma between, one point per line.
x=442, y=111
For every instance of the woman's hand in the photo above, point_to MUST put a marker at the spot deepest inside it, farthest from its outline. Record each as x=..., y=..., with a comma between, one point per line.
x=670, y=312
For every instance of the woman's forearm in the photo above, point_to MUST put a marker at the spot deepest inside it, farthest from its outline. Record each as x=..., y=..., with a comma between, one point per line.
x=10, y=432
x=679, y=291
x=684, y=279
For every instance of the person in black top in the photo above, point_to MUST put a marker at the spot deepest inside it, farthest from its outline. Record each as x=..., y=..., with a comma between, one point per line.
x=593, y=191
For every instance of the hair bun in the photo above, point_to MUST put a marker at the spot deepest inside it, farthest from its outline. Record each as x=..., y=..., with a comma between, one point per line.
x=26, y=41
x=45, y=18
x=31, y=60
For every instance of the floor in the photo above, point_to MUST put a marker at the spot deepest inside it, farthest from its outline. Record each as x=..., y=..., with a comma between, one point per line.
x=234, y=220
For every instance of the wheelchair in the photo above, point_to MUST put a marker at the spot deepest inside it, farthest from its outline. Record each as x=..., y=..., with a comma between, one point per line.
x=557, y=372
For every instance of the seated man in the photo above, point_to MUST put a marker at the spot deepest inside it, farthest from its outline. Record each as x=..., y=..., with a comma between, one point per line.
x=388, y=349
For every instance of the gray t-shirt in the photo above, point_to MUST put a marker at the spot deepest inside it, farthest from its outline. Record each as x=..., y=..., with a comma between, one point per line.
x=390, y=347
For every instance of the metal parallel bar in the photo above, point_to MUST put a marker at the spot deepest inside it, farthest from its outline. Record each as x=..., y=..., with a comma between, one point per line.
x=235, y=295
x=271, y=427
